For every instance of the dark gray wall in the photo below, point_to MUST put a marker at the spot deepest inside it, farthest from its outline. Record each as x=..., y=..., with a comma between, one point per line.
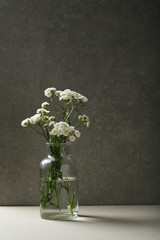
x=106, y=50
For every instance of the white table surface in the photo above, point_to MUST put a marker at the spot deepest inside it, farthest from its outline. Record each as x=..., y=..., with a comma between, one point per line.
x=93, y=223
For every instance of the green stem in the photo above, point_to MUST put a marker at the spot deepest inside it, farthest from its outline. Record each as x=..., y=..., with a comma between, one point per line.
x=70, y=208
x=72, y=109
x=65, y=117
x=78, y=110
x=55, y=108
x=57, y=195
x=78, y=124
x=36, y=130
x=43, y=131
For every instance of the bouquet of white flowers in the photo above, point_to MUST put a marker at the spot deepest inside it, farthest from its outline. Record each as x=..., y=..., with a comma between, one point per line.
x=54, y=130
x=59, y=122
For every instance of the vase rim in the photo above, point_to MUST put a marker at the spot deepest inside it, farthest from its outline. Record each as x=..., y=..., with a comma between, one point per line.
x=58, y=144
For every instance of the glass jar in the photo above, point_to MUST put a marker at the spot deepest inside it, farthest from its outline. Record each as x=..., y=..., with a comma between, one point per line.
x=58, y=183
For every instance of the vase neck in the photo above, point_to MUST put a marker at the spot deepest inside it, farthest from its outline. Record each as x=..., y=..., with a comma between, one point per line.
x=58, y=151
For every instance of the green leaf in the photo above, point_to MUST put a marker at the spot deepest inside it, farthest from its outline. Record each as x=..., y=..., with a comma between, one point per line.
x=54, y=205
x=70, y=209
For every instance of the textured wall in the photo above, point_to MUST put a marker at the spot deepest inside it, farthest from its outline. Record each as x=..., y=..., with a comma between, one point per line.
x=106, y=50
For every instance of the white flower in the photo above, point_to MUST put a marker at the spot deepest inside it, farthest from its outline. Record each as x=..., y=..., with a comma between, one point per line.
x=66, y=133
x=53, y=132
x=51, y=123
x=87, y=124
x=42, y=111
x=85, y=119
x=80, y=117
x=49, y=91
x=45, y=105
x=25, y=122
x=72, y=128
x=58, y=93
x=72, y=138
x=65, y=98
x=81, y=97
x=45, y=118
x=84, y=99
x=75, y=94
x=77, y=133
x=67, y=94
x=62, y=128
x=35, y=118
x=60, y=131
x=52, y=118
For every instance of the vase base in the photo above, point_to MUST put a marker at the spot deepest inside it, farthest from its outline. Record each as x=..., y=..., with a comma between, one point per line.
x=58, y=216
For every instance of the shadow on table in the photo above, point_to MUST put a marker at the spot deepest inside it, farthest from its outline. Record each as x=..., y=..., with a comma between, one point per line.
x=117, y=220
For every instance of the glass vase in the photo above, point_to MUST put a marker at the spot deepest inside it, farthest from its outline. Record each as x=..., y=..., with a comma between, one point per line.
x=58, y=183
